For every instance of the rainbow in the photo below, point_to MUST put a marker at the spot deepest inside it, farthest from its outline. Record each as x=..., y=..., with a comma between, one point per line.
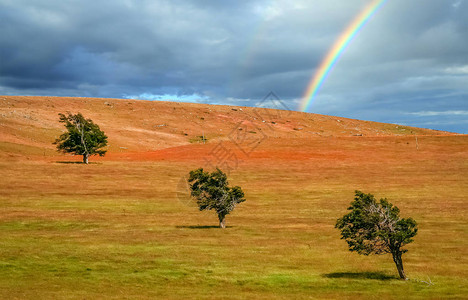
x=334, y=53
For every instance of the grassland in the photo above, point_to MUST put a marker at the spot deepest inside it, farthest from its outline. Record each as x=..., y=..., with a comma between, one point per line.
x=120, y=228
x=116, y=229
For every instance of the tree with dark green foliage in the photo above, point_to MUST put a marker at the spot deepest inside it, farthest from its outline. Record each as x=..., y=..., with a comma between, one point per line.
x=375, y=227
x=82, y=137
x=211, y=191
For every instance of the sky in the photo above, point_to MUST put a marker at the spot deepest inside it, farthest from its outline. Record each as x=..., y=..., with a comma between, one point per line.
x=407, y=65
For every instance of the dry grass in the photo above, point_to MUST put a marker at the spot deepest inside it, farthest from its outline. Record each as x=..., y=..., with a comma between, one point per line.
x=138, y=126
x=116, y=229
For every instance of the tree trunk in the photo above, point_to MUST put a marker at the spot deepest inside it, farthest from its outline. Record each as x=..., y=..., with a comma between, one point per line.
x=222, y=221
x=85, y=158
x=399, y=265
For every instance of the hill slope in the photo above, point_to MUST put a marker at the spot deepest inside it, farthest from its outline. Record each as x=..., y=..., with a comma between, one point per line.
x=29, y=125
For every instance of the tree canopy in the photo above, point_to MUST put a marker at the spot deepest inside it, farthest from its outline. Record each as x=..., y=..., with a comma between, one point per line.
x=212, y=192
x=83, y=137
x=375, y=227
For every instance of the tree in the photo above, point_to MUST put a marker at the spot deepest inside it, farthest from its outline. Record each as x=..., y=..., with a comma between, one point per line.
x=211, y=191
x=83, y=137
x=376, y=227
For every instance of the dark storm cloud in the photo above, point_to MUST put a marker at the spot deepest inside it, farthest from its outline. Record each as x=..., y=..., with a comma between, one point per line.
x=410, y=58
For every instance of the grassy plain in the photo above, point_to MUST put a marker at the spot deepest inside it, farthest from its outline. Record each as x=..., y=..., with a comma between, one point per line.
x=119, y=227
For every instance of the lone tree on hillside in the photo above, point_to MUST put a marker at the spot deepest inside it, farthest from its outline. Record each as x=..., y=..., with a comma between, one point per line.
x=211, y=191
x=376, y=227
x=83, y=137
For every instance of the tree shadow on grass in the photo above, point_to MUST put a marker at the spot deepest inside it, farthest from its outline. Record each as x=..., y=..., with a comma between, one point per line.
x=360, y=275
x=200, y=227
x=77, y=162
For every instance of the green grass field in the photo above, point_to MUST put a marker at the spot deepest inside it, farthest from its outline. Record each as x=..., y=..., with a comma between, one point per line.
x=117, y=229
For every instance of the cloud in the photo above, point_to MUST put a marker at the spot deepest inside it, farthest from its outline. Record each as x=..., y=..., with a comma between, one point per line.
x=457, y=3
x=168, y=97
x=411, y=55
x=458, y=70
x=440, y=113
